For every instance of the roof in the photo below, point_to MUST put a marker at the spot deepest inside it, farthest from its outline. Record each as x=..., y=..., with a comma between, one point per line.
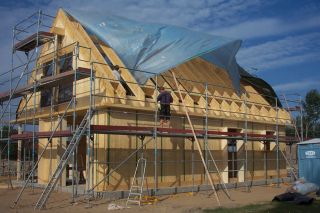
x=156, y=48
x=312, y=141
x=261, y=86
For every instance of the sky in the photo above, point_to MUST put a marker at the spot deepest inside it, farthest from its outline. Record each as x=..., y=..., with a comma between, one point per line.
x=281, y=38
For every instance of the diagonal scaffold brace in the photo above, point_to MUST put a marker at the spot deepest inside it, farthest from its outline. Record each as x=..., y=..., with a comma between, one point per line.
x=196, y=139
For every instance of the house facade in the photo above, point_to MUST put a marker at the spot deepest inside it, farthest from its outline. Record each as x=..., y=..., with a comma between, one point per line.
x=241, y=116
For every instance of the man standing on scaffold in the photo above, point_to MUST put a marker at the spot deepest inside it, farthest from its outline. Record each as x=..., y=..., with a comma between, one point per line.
x=165, y=100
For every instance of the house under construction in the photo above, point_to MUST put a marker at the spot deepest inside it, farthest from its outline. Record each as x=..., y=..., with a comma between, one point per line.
x=78, y=124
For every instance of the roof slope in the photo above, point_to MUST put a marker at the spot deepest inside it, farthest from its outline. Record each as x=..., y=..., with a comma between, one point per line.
x=312, y=141
x=262, y=87
x=155, y=48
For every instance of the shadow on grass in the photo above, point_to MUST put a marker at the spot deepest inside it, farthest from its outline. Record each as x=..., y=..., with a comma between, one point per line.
x=271, y=207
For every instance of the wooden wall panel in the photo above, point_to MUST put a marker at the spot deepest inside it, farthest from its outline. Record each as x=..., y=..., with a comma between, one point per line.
x=174, y=165
x=54, y=152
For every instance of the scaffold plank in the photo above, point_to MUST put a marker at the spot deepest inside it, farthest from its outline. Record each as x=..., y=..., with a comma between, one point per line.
x=31, y=42
x=184, y=133
x=29, y=135
x=161, y=132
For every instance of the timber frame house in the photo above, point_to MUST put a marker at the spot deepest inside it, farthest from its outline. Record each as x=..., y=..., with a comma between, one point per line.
x=82, y=123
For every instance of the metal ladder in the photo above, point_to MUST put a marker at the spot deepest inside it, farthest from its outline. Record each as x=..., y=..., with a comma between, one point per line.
x=64, y=160
x=136, y=191
x=31, y=173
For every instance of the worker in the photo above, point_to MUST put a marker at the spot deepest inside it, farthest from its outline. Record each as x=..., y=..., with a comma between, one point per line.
x=165, y=100
x=116, y=72
x=117, y=75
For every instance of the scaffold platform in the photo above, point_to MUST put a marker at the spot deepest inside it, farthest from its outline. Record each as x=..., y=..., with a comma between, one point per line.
x=184, y=133
x=160, y=132
x=33, y=41
x=47, y=134
x=46, y=82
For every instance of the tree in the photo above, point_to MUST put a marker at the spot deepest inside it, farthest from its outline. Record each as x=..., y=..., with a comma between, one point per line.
x=311, y=107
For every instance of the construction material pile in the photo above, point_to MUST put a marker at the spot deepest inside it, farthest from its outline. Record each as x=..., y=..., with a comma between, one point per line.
x=301, y=192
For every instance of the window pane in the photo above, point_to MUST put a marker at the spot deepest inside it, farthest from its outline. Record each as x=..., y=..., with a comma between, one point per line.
x=65, y=92
x=48, y=68
x=45, y=97
x=65, y=62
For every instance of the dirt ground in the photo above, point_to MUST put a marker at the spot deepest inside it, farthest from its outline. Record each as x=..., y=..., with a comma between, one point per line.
x=61, y=202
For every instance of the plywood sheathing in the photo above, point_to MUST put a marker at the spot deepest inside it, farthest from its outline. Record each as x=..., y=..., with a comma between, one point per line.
x=174, y=154
x=53, y=153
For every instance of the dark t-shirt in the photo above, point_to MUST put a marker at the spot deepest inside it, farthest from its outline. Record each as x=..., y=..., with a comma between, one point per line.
x=165, y=98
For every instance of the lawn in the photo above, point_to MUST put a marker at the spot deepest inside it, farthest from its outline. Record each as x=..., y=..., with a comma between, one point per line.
x=272, y=207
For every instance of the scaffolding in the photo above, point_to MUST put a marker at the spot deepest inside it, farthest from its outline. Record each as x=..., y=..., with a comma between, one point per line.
x=24, y=105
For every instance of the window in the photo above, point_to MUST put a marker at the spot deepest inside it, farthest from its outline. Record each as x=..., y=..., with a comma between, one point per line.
x=65, y=62
x=47, y=68
x=46, y=94
x=45, y=97
x=232, y=155
x=65, y=92
x=232, y=159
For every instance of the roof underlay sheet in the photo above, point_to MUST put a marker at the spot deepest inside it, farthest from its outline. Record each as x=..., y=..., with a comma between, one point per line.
x=156, y=48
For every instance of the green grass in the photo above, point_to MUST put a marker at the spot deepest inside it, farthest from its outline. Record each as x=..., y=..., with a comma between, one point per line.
x=270, y=207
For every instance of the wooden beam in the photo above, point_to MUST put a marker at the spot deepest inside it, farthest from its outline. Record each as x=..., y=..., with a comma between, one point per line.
x=196, y=140
x=79, y=34
x=125, y=73
x=57, y=30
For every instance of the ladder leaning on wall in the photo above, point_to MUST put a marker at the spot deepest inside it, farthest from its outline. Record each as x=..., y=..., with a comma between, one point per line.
x=64, y=159
x=196, y=140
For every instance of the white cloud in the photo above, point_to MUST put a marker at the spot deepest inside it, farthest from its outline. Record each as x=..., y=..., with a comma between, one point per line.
x=267, y=27
x=184, y=13
x=286, y=51
x=203, y=15
x=231, y=18
x=299, y=85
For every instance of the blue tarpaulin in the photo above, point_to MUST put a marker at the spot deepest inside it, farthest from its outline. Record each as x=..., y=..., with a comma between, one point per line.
x=156, y=48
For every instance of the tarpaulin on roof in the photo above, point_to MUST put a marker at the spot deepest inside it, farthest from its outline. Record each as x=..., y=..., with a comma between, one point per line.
x=261, y=86
x=156, y=48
